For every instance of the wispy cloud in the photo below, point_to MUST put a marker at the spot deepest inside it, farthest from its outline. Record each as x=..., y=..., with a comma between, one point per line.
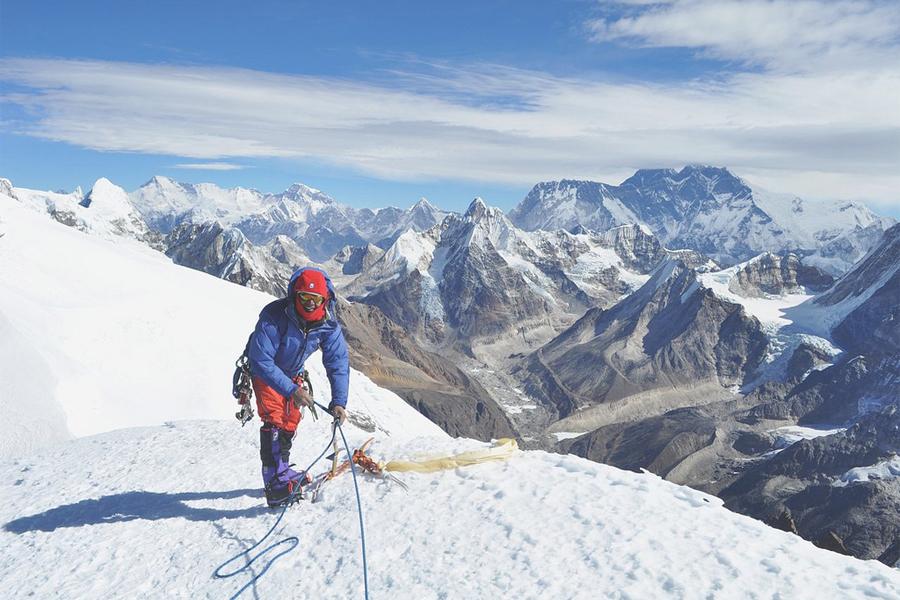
x=209, y=166
x=799, y=35
x=480, y=122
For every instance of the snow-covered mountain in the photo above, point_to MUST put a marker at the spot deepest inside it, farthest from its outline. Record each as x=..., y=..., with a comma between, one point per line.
x=105, y=210
x=319, y=224
x=477, y=276
x=858, y=315
x=710, y=210
x=165, y=203
x=101, y=334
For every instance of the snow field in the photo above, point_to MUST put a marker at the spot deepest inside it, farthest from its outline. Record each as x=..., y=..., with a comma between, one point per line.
x=151, y=512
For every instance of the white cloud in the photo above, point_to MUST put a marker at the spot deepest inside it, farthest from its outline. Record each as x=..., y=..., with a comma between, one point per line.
x=209, y=166
x=480, y=123
x=796, y=35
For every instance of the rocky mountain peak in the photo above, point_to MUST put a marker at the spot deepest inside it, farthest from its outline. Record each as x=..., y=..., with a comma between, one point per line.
x=476, y=210
x=482, y=215
x=423, y=215
x=303, y=194
x=707, y=172
x=868, y=274
x=161, y=181
x=6, y=188
x=483, y=224
x=708, y=209
x=423, y=205
x=691, y=184
x=649, y=177
x=297, y=189
x=671, y=333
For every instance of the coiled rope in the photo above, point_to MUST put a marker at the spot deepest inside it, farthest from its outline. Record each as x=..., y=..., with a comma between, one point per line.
x=293, y=541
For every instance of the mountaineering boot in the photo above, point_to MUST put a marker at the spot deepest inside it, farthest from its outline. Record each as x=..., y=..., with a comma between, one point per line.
x=281, y=482
x=279, y=494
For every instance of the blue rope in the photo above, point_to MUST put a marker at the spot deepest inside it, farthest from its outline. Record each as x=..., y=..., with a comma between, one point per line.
x=293, y=541
x=362, y=531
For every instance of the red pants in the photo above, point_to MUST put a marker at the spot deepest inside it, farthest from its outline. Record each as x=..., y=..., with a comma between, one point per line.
x=274, y=408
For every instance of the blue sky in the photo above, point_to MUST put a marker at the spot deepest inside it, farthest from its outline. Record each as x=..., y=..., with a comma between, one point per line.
x=381, y=103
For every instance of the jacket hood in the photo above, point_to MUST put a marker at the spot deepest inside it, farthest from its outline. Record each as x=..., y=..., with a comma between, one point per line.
x=332, y=296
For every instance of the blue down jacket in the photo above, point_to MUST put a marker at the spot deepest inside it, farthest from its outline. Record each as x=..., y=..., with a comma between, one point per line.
x=282, y=341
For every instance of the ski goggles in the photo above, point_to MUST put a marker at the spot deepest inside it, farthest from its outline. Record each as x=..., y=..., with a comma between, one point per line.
x=307, y=298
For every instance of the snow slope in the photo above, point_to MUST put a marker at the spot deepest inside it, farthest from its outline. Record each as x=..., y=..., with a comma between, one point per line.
x=101, y=334
x=151, y=511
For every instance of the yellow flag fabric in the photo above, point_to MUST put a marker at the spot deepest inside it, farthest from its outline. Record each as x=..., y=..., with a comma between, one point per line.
x=501, y=450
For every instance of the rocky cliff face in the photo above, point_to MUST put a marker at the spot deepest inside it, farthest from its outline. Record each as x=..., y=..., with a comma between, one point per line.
x=227, y=254
x=353, y=260
x=776, y=275
x=645, y=355
x=824, y=485
x=870, y=295
x=437, y=388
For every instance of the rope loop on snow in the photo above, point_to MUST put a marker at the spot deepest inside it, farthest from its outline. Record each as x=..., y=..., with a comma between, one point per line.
x=293, y=541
